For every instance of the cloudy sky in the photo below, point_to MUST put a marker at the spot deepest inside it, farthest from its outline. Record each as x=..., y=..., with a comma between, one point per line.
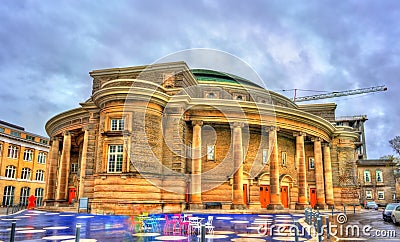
x=48, y=47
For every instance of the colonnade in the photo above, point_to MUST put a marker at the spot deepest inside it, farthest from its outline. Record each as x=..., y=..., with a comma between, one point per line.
x=323, y=169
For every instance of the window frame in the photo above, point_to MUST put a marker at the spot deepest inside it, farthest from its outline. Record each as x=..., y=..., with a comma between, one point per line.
x=265, y=156
x=28, y=155
x=117, y=164
x=284, y=158
x=39, y=174
x=74, y=167
x=42, y=158
x=381, y=193
x=13, y=151
x=210, y=155
x=119, y=124
x=39, y=194
x=365, y=176
x=368, y=194
x=10, y=169
x=26, y=173
x=8, y=195
x=24, y=195
x=379, y=173
x=311, y=160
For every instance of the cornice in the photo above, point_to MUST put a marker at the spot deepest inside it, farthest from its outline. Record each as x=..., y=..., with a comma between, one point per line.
x=64, y=119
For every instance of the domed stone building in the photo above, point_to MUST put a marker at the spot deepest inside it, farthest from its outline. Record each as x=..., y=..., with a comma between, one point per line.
x=164, y=137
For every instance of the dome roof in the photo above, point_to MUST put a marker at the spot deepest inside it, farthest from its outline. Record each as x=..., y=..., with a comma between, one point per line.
x=221, y=77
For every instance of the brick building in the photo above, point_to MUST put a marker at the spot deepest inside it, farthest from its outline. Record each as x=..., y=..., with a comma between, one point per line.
x=377, y=182
x=164, y=137
x=22, y=164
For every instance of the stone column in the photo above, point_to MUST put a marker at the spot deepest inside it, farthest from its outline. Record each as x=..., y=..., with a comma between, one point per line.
x=302, y=176
x=51, y=171
x=82, y=174
x=196, y=201
x=62, y=186
x=319, y=173
x=237, y=144
x=328, y=175
x=274, y=171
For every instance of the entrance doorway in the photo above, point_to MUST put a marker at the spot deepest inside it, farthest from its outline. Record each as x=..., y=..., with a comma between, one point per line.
x=71, y=194
x=313, y=197
x=284, y=196
x=245, y=200
x=265, y=196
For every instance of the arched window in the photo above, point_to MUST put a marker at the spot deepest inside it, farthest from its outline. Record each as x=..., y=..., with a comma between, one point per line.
x=13, y=151
x=26, y=173
x=10, y=171
x=39, y=196
x=8, y=195
x=25, y=191
x=42, y=158
x=39, y=175
x=28, y=155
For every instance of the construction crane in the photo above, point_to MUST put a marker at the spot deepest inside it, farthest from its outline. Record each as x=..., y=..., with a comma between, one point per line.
x=338, y=94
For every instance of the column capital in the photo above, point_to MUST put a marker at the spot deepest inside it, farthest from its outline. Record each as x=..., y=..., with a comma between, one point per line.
x=197, y=122
x=316, y=139
x=237, y=124
x=67, y=132
x=272, y=128
x=55, y=138
x=326, y=144
x=300, y=133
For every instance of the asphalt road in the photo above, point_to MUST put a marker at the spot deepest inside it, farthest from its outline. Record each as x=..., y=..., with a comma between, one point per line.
x=367, y=225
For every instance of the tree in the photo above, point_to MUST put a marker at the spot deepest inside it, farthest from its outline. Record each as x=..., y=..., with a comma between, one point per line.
x=395, y=143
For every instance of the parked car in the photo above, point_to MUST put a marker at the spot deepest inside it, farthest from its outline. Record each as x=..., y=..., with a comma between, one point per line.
x=396, y=215
x=387, y=213
x=371, y=205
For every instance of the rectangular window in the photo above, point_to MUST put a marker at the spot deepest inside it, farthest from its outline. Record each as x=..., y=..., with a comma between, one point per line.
x=39, y=196
x=265, y=156
x=8, y=197
x=1, y=130
x=379, y=176
x=115, y=158
x=381, y=195
x=10, y=171
x=368, y=194
x=284, y=158
x=39, y=175
x=26, y=173
x=311, y=163
x=74, y=167
x=13, y=151
x=43, y=141
x=28, y=137
x=28, y=155
x=210, y=152
x=117, y=124
x=367, y=176
x=42, y=158
x=15, y=133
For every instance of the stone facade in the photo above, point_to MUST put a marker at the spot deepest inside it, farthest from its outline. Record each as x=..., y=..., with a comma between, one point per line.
x=377, y=182
x=163, y=138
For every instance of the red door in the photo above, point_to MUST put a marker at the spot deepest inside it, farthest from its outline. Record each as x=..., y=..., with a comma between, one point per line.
x=71, y=195
x=265, y=196
x=284, y=196
x=313, y=197
x=245, y=194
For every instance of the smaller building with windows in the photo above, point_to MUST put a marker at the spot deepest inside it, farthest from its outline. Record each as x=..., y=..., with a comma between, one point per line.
x=22, y=165
x=377, y=181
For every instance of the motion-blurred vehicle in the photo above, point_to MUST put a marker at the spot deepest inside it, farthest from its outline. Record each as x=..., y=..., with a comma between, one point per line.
x=371, y=205
x=387, y=213
x=396, y=214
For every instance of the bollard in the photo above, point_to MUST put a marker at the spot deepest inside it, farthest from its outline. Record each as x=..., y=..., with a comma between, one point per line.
x=328, y=235
x=203, y=233
x=78, y=232
x=354, y=208
x=319, y=229
x=306, y=215
x=8, y=207
x=12, y=235
x=344, y=208
x=318, y=210
x=333, y=207
x=296, y=232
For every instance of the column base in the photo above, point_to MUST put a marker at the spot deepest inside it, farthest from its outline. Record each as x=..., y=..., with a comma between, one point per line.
x=302, y=206
x=196, y=206
x=238, y=206
x=275, y=207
